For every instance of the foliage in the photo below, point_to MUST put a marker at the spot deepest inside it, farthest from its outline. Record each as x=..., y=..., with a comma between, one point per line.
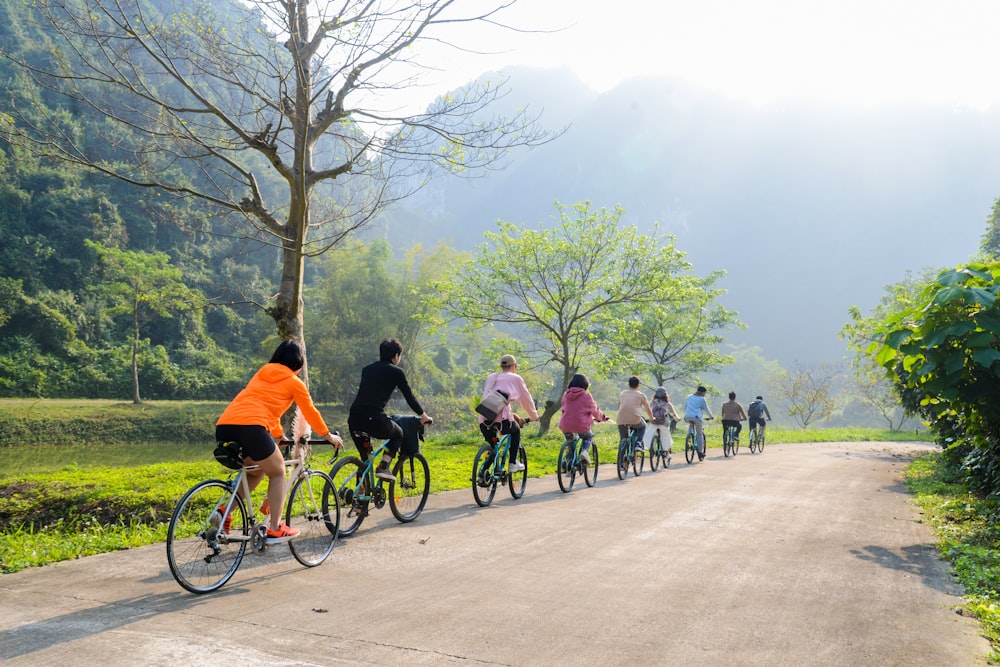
x=297, y=150
x=808, y=392
x=968, y=530
x=570, y=287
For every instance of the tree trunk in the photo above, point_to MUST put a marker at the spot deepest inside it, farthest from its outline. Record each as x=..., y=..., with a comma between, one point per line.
x=135, y=356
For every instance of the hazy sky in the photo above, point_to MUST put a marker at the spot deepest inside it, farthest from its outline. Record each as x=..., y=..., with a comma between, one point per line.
x=857, y=52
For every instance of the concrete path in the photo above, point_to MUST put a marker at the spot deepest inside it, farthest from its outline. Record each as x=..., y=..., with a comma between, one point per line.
x=804, y=555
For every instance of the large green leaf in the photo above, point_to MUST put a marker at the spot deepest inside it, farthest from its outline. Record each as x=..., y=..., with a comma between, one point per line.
x=986, y=358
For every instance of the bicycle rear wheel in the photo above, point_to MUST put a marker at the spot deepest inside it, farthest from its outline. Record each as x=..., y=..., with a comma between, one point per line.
x=727, y=441
x=655, y=452
x=346, y=473
x=590, y=471
x=484, y=484
x=760, y=443
x=638, y=460
x=623, y=460
x=314, y=508
x=200, y=553
x=736, y=443
x=517, y=480
x=565, y=470
x=690, y=447
x=409, y=490
x=753, y=440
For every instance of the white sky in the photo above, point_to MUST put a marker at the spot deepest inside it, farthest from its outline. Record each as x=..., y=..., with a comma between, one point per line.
x=855, y=52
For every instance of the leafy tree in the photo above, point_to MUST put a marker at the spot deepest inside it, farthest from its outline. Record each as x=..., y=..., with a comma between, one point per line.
x=564, y=285
x=141, y=285
x=989, y=246
x=677, y=339
x=809, y=392
x=942, y=354
x=279, y=106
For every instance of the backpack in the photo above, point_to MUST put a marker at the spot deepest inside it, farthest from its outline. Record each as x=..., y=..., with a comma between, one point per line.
x=755, y=410
x=659, y=410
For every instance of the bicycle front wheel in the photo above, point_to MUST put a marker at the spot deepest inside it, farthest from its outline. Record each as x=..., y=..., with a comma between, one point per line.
x=590, y=471
x=565, y=470
x=346, y=475
x=313, y=508
x=409, y=490
x=516, y=481
x=655, y=453
x=484, y=484
x=201, y=554
x=690, y=447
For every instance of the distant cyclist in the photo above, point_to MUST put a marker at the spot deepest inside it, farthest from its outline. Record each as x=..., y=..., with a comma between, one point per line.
x=695, y=407
x=732, y=414
x=632, y=403
x=511, y=385
x=756, y=411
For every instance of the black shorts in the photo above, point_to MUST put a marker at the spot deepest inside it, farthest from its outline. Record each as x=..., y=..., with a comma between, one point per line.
x=756, y=420
x=257, y=443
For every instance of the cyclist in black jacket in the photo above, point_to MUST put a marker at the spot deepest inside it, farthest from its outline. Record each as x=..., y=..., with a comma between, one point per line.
x=367, y=414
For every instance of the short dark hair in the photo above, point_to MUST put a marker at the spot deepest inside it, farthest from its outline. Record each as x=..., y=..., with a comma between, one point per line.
x=289, y=353
x=732, y=396
x=579, y=380
x=633, y=381
x=389, y=348
x=701, y=390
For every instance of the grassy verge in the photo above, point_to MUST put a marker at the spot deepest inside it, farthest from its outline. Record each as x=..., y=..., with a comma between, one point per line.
x=968, y=530
x=68, y=499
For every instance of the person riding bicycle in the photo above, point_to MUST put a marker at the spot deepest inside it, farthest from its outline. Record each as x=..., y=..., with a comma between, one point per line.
x=663, y=412
x=367, y=414
x=514, y=388
x=756, y=411
x=732, y=414
x=579, y=412
x=253, y=419
x=695, y=406
x=631, y=404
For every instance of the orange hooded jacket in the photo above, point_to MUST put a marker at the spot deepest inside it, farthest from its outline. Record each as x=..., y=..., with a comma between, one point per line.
x=270, y=392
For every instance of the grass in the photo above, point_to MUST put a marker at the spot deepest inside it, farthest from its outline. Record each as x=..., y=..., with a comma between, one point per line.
x=968, y=531
x=64, y=500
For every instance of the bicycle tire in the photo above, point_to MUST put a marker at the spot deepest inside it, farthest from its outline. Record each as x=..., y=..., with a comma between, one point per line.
x=623, y=461
x=590, y=471
x=690, y=447
x=655, y=452
x=727, y=441
x=565, y=470
x=409, y=490
x=753, y=441
x=760, y=443
x=345, y=475
x=484, y=483
x=638, y=461
x=517, y=481
x=200, y=556
x=314, y=509
x=736, y=444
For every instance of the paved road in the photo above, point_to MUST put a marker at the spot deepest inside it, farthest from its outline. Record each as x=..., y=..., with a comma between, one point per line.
x=805, y=555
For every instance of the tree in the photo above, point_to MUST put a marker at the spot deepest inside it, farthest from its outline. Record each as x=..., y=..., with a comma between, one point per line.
x=943, y=355
x=877, y=392
x=563, y=284
x=141, y=285
x=279, y=107
x=989, y=245
x=677, y=339
x=808, y=391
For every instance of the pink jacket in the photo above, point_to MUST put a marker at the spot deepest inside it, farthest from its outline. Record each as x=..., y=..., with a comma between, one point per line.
x=579, y=411
x=513, y=385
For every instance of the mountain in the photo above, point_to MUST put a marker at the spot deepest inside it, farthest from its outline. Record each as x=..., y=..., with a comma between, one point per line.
x=809, y=209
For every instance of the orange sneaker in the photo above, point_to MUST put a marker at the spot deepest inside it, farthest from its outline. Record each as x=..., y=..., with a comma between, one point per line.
x=265, y=507
x=283, y=534
x=227, y=523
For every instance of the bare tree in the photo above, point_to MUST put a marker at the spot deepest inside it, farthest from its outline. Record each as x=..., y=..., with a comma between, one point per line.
x=278, y=103
x=808, y=391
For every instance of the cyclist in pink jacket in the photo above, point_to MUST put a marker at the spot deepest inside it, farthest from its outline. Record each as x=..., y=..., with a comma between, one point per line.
x=579, y=412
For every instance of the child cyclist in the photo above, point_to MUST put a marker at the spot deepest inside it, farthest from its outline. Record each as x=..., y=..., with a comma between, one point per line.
x=579, y=412
x=663, y=411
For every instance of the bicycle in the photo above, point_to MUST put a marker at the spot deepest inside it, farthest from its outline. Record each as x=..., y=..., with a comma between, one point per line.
x=630, y=454
x=215, y=520
x=358, y=487
x=657, y=453
x=690, y=448
x=570, y=464
x=756, y=439
x=487, y=473
x=730, y=441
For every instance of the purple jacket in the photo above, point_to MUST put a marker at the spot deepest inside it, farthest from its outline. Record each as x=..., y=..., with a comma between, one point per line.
x=579, y=411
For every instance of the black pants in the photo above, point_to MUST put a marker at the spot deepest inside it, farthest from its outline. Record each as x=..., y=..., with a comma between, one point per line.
x=375, y=426
x=726, y=423
x=491, y=429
